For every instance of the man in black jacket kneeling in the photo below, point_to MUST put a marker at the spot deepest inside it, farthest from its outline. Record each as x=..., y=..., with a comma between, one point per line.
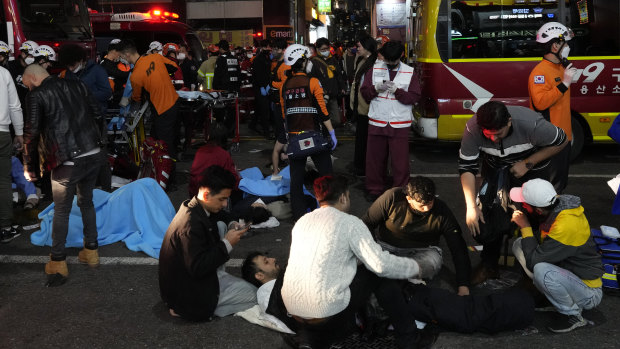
x=192, y=280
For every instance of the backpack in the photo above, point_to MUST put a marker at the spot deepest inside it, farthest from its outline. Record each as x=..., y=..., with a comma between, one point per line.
x=609, y=249
x=494, y=202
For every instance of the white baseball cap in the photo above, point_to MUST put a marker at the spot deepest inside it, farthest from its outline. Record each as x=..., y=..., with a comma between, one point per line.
x=536, y=192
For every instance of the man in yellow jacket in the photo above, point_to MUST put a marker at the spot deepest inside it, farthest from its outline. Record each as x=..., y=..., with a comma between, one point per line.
x=564, y=265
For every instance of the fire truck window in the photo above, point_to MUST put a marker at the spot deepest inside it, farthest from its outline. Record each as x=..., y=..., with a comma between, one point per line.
x=3, y=34
x=595, y=24
x=54, y=20
x=498, y=31
x=195, y=45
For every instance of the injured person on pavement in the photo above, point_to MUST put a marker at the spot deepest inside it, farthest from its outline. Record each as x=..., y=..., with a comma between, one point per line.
x=441, y=309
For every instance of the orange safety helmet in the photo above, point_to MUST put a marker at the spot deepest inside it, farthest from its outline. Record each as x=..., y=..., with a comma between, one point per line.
x=382, y=39
x=212, y=48
x=170, y=47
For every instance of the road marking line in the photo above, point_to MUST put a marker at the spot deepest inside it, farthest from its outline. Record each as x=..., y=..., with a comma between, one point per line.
x=456, y=175
x=22, y=259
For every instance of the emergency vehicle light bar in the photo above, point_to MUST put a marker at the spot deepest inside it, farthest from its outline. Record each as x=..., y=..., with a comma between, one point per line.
x=131, y=17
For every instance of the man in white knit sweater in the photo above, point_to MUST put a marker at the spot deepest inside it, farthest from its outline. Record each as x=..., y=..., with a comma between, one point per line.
x=325, y=283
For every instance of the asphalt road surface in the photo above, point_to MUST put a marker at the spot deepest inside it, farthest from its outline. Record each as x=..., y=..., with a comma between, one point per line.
x=118, y=306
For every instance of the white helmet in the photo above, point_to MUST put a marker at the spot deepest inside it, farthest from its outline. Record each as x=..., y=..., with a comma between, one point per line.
x=4, y=48
x=294, y=52
x=29, y=46
x=553, y=30
x=45, y=51
x=155, y=46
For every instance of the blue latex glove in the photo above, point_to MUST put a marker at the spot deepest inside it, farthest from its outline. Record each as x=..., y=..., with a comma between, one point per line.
x=332, y=134
x=263, y=92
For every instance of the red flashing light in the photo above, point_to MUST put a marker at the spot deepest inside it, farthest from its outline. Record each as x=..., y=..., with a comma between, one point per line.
x=259, y=34
x=174, y=15
x=56, y=44
x=166, y=14
x=156, y=13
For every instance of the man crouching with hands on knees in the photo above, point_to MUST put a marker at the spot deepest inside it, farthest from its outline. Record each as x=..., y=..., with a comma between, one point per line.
x=565, y=266
x=334, y=265
x=192, y=280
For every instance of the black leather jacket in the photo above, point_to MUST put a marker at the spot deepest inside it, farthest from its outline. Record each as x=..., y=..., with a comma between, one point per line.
x=63, y=121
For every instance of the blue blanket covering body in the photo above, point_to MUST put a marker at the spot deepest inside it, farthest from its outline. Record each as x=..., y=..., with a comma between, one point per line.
x=138, y=214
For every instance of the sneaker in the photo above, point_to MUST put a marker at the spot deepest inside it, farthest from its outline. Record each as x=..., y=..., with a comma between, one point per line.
x=31, y=203
x=8, y=234
x=566, y=323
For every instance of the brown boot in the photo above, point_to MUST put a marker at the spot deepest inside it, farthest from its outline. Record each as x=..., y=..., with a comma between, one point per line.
x=483, y=272
x=90, y=257
x=57, y=267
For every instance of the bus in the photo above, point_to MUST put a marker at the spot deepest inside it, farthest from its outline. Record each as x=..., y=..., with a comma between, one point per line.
x=46, y=22
x=470, y=52
x=143, y=28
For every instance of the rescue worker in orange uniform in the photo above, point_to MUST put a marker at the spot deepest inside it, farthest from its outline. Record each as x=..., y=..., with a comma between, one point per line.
x=150, y=73
x=304, y=111
x=549, y=89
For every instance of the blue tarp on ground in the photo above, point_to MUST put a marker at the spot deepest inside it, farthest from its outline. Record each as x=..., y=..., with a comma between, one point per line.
x=138, y=214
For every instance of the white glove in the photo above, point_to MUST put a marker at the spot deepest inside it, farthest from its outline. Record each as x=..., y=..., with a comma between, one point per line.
x=569, y=72
x=392, y=88
x=124, y=102
x=382, y=87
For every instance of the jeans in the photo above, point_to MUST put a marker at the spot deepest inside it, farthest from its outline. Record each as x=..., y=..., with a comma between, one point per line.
x=323, y=163
x=567, y=292
x=333, y=108
x=6, y=193
x=67, y=180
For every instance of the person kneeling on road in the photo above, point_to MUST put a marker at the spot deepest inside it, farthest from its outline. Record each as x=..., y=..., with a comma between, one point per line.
x=192, y=280
x=324, y=285
x=565, y=267
x=411, y=220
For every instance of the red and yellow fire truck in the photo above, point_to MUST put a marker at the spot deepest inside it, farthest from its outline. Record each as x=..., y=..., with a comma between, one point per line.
x=470, y=52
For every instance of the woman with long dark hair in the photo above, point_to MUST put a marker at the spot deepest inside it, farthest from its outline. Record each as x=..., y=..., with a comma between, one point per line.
x=367, y=55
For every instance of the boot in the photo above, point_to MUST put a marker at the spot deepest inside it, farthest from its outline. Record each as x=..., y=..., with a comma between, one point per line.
x=57, y=273
x=88, y=256
x=57, y=267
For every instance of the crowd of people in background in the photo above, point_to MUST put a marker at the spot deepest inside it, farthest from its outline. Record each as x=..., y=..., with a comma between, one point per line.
x=301, y=94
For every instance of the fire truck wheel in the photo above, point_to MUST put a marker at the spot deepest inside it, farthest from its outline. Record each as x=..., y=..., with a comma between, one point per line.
x=578, y=139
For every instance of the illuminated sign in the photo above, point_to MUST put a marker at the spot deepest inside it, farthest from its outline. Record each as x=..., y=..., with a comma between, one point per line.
x=325, y=5
x=519, y=16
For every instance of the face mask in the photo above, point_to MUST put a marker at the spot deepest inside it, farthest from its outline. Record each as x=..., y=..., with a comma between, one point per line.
x=249, y=55
x=232, y=53
x=325, y=53
x=392, y=66
x=29, y=60
x=124, y=61
x=565, y=51
x=181, y=56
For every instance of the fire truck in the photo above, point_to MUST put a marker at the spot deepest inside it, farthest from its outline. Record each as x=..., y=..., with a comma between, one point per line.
x=143, y=28
x=47, y=22
x=470, y=52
